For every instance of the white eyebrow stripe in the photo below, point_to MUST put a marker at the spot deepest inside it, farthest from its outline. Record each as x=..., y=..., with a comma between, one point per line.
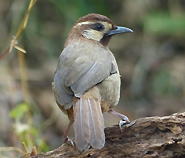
x=85, y=23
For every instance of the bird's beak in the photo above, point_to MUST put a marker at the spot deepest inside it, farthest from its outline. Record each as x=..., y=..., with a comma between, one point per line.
x=118, y=29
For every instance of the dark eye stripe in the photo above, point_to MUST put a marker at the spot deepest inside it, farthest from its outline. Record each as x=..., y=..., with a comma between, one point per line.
x=98, y=27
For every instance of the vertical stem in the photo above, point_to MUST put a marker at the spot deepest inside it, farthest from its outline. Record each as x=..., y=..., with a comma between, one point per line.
x=23, y=74
x=24, y=83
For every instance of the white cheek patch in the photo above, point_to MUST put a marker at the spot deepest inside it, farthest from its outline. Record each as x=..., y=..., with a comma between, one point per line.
x=93, y=34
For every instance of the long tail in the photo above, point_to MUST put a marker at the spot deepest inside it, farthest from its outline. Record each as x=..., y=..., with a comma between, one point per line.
x=88, y=124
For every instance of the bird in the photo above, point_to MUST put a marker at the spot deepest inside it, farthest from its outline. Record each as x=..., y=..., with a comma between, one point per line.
x=87, y=80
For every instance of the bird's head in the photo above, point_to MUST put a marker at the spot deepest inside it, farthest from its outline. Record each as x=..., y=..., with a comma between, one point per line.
x=96, y=27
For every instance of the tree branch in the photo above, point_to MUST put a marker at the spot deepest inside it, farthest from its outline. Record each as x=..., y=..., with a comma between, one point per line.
x=145, y=137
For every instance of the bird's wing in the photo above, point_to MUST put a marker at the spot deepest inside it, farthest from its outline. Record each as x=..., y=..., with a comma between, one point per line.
x=78, y=77
x=95, y=74
x=64, y=95
x=86, y=73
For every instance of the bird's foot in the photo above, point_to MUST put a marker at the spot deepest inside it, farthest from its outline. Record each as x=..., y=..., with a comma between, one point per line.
x=71, y=141
x=121, y=123
x=67, y=139
x=124, y=119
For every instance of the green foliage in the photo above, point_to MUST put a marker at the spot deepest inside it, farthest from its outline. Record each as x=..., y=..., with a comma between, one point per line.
x=163, y=23
x=18, y=112
x=163, y=84
x=26, y=132
x=75, y=9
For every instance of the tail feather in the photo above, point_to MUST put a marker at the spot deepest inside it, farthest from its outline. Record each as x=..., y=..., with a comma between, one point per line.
x=88, y=124
x=97, y=136
x=81, y=125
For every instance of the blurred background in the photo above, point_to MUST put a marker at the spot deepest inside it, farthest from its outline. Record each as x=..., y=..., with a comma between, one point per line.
x=151, y=62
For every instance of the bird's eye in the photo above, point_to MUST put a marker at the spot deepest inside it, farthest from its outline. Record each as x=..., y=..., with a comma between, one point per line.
x=98, y=27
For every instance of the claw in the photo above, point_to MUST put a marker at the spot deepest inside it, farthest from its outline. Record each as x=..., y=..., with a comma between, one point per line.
x=69, y=140
x=124, y=119
x=121, y=123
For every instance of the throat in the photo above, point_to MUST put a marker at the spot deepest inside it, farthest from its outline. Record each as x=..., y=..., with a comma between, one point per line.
x=105, y=40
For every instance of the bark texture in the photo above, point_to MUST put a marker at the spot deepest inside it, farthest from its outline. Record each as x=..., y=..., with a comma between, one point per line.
x=150, y=137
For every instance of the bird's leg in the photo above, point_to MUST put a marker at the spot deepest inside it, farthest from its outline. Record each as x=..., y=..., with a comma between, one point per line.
x=124, y=119
x=65, y=137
